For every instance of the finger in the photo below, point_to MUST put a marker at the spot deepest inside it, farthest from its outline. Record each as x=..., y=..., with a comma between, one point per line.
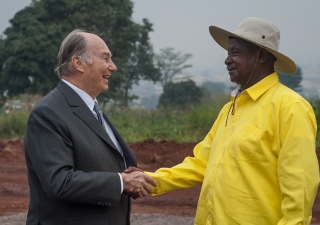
x=150, y=180
x=135, y=168
x=148, y=188
x=139, y=195
x=144, y=192
x=132, y=169
x=127, y=170
x=136, y=194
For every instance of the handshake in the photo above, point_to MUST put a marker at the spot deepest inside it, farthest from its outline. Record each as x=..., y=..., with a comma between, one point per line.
x=136, y=184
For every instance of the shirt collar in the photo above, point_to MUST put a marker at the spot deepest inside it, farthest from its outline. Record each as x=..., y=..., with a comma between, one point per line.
x=259, y=88
x=262, y=86
x=83, y=95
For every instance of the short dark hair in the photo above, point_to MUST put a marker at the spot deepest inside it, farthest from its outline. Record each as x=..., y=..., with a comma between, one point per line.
x=75, y=44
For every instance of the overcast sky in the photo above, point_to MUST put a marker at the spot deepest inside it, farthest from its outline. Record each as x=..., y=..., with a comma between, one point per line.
x=184, y=24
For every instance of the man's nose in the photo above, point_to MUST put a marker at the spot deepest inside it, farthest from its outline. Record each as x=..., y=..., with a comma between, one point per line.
x=112, y=67
x=228, y=60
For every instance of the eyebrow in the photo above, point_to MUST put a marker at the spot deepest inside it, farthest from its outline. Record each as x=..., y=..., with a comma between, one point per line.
x=107, y=54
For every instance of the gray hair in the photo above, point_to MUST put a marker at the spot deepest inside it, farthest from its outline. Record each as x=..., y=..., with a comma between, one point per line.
x=75, y=44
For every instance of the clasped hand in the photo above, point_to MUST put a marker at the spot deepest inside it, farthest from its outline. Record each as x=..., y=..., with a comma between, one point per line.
x=136, y=184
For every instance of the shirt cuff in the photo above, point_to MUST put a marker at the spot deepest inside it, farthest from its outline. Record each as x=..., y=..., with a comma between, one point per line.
x=121, y=181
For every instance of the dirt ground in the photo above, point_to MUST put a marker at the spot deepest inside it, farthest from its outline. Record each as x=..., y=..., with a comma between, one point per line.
x=14, y=190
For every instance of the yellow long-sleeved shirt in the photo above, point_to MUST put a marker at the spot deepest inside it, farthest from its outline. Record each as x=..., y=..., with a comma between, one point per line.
x=261, y=168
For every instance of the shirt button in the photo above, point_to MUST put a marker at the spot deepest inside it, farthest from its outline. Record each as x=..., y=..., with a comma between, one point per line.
x=240, y=108
x=222, y=149
x=209, y=218
x=231, y=127
x=213, y=171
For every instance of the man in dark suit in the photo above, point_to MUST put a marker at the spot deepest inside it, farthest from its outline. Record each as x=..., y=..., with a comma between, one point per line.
x=75, y=156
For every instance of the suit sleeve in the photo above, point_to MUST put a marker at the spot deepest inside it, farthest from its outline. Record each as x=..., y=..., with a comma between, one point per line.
x=49, y=152
x=298, y=169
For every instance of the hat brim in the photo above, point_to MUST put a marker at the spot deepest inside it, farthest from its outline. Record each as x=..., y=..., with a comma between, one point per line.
x=283, y=63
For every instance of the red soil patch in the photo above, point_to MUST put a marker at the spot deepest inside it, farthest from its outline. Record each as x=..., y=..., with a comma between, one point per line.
x=14, y=190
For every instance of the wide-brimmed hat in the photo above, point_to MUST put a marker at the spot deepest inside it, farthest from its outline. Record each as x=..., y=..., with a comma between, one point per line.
x=261, y=33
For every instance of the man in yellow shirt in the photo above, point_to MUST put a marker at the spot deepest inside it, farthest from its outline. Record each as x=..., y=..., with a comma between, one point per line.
x=257, y=164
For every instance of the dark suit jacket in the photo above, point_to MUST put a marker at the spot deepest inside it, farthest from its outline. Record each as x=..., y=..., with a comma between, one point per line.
x=73, y=165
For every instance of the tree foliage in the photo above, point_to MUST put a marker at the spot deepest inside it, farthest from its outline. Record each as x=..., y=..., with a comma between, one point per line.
x=180, y=95
x=30, y=45
x=170, y=64
x=140, y=64
x=292, y=80
x=214, y=87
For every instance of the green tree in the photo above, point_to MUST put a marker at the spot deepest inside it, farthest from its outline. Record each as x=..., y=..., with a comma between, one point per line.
x=170, y=64
x=292, y=80
x=140, y=65
x=180, y=95
x=149, y=102
x=32, y=42
x=214, y=87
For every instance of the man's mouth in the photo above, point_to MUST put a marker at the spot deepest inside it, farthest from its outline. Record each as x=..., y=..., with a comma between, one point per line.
x=106, y=77
x=230, y=69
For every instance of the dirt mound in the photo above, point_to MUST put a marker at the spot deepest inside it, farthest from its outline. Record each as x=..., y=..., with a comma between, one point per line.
x=14, y=190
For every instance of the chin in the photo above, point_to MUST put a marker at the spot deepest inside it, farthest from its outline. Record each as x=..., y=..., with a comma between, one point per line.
x=233, y=80
x=105, y=88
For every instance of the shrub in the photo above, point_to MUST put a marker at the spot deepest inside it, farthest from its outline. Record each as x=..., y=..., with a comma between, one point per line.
x=13, y=125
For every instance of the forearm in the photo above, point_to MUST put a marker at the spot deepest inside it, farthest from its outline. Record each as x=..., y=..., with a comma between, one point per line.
x=185, y=175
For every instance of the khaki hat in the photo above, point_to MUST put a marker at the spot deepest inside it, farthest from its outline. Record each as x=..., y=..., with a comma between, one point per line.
x=259, y=32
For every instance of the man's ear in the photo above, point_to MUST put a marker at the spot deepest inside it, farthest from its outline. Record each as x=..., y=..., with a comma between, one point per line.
x=77, y=64
x=263, y=55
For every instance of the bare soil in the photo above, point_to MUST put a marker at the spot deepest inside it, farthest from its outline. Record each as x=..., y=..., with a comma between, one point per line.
x=14, y=190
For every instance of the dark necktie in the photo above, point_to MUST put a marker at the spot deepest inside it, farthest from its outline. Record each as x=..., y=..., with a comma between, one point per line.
x=99, y=113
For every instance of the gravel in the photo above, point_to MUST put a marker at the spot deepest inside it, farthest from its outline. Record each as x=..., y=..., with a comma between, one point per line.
x=136, y=219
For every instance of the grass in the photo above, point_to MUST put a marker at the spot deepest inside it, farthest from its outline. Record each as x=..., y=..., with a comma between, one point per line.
x=140, y=124
x=13, y=125
x=169, y=124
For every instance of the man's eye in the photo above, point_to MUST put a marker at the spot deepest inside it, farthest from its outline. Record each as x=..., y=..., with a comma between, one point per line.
x=233, y=53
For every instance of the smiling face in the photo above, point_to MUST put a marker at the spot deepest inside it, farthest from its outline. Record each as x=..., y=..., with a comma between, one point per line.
x=241, y=59
x=95, y=75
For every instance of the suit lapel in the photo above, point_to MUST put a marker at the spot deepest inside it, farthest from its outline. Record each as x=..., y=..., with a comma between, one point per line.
x=81, y=110
x=127, y=152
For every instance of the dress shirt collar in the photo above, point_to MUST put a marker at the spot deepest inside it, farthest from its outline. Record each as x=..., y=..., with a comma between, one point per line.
x=83, y=95
x=259, y=88
x=262, y=86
